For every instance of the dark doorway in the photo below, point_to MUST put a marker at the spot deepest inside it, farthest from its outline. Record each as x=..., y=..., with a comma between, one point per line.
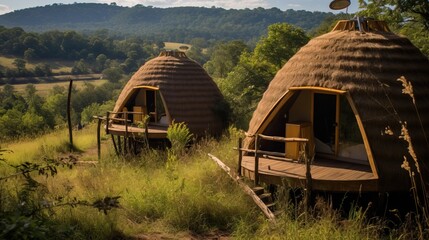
x=325, y=107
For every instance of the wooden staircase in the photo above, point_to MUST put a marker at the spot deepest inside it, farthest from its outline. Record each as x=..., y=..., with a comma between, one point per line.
x=267, y=198
x=262, y=198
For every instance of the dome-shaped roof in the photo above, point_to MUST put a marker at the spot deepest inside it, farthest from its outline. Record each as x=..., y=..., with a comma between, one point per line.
x=368, y=66
x=189, y=93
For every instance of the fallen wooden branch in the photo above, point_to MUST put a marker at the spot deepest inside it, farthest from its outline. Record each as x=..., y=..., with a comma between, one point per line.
x=267, y=212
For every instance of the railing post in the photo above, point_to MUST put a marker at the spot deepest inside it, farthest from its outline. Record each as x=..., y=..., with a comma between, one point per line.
x=308, y=180
x=107, y=122
x=256, y=172
x=240, y=156
x=126, y=124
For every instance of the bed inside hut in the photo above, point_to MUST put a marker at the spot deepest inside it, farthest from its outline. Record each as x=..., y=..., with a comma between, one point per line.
x=339, y=159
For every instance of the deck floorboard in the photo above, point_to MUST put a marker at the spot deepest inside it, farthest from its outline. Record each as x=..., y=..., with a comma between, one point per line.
x=326, y=174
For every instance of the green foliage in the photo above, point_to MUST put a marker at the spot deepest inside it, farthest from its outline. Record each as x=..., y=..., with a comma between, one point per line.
x=179, y=136
x=282, y=42
x=408, y=17
x=224, y=57
x=30, y=114
x=20, y=64
x=113, y=74
x=245, y=84
x=173, y=24
x=96, y=109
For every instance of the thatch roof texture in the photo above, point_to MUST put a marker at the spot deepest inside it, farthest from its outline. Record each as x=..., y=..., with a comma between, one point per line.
x=367, y=65
x=189, y=92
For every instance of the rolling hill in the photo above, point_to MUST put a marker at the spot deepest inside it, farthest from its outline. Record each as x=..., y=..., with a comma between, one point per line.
x=172, y=24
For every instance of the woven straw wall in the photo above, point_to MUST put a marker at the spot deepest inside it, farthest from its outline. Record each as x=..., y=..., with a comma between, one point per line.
x=367, y=65
x=190, y=94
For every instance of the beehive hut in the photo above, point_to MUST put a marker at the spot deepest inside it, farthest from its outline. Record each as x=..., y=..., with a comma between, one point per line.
x=341, y=92
x=170, y=87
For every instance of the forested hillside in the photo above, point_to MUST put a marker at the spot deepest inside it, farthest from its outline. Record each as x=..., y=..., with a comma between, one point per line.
x=170, y=24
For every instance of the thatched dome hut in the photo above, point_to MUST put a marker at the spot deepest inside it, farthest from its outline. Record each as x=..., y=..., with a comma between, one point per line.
x=183, y=92
x=363, y=67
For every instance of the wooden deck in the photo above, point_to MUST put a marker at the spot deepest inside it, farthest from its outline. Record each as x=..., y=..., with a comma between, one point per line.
x=154, y=131
x=327, y=175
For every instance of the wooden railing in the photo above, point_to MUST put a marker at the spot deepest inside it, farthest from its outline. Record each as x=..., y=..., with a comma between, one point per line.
x=278, y=156
x=124, y=120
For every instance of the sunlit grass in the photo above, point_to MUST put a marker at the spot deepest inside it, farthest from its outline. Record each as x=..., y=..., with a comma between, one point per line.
x=195, y=197
x=43, y=89
x=176, y=46
x=57, y=66
x=49, y=145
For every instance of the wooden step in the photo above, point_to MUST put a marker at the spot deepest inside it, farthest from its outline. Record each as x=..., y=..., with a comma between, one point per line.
x=258, y=190
x=266, y=197
x=271, y=206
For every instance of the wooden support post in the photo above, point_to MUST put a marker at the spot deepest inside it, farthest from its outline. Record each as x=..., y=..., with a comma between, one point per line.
x=99, y=138
x=125, y=146
x=119, y=145
x=256, y=172
x=308, y=180
x=240, y=156
x=107, y=122
x=115, y=146
x=126, y=124
x=69, y=116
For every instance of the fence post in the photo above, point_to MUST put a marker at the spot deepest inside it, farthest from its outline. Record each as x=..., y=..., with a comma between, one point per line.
x=256, y=160
x=99, y=138
x=240, y=157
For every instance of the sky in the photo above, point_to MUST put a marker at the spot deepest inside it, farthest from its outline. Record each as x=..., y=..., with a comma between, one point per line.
x=309, y=5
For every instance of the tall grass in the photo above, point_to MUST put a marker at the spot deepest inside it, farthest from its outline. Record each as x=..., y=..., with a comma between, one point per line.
x=195, y=199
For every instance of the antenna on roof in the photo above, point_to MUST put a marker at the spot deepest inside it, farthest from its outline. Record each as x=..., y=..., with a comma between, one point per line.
x=339, y=4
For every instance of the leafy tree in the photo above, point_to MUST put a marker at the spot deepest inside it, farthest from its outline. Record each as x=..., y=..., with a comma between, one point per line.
x=244, y=85
x=113, y=74
x=224, y=58
x=282, y=42
x=43, y=69
x=100, y=62
x=80, y=67
x=10, y=123
x=20, y=65
x=54, y=106
x=30, y=54
x=407, y=17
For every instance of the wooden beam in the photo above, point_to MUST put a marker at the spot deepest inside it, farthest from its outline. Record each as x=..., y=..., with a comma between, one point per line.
x=318, y=89
x=282, y=139
x=364, y=136
x=267, y=212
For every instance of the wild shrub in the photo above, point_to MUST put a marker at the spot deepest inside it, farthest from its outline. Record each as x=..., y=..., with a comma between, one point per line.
x=26, y=214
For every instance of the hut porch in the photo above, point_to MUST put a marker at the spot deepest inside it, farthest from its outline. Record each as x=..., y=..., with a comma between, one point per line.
x=299, y=166
x=326, y=174
x=153, y=131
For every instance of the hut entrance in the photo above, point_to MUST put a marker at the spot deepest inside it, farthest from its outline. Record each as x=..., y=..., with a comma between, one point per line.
x=324, y=117
x=325, y=122
x=336, y=132
x=147, y=101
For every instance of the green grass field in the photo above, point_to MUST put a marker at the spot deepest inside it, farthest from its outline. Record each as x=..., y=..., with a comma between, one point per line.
x=192, y=199
x=44, y=88
x=57, y=66
x=176, y=46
